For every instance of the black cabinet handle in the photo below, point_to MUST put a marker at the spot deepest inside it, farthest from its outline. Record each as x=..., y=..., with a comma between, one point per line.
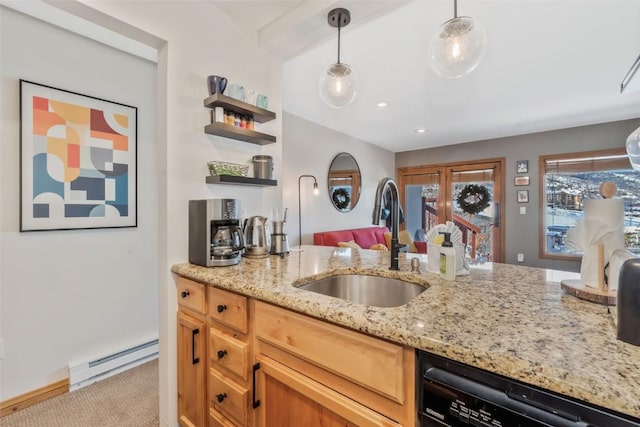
x=221, y=308
x=184, y=294
x=221, y=397
x=255, y=403
x=194, y=360
x=222, y=353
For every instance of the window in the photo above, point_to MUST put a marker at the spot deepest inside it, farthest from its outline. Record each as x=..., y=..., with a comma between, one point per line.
x=568, y=180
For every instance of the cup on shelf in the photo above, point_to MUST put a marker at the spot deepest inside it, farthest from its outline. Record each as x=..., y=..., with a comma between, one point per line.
x=216, y=84
x=262, y=101
x=236, y=91
x=252, y=97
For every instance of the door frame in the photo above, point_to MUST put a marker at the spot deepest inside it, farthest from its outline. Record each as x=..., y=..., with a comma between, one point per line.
x=403, y=172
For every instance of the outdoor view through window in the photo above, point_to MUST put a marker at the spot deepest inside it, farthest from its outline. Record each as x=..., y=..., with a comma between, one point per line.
x=569, y=180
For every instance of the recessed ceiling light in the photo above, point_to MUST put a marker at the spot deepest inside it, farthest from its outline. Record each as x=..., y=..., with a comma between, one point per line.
x=421, y=130
x=382, y=104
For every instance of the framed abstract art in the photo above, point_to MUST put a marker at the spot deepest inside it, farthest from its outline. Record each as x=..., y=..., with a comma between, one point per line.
x=78, y=160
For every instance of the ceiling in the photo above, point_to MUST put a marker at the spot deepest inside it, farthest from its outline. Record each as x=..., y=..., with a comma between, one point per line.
x=550, y=64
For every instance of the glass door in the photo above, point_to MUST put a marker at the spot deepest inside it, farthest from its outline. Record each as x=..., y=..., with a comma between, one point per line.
x=469, y=195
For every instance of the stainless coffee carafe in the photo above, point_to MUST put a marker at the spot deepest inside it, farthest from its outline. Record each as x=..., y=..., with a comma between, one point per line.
x=227, y=240
x=256, y=236
x=215, y=238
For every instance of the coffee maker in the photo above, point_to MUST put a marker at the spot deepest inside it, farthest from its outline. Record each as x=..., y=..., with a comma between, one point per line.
x=215, y=236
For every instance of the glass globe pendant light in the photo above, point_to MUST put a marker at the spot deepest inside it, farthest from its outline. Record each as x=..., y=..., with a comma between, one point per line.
x=633, y=149
x=338, y=84
x=458, y=46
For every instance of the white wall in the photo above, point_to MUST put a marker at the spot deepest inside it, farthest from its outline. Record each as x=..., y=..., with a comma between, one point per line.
x=72, y=295
x=200, y=40
x=309, y=149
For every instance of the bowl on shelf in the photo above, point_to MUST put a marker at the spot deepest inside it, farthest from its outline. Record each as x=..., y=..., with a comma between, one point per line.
x=225, y=168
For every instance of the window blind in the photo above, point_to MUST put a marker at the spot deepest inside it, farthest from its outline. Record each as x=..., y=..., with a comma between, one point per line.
x=587, y=164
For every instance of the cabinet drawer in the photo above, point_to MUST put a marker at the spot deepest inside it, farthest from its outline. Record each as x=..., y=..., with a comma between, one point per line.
x=228, y=397
x=229, y=353
x=228, y=308
x=217, y=420
x=191, y=295
x=373, y=363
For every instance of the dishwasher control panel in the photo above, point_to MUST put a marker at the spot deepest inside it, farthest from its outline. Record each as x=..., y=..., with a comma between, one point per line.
x=452, y=394
x=443, y=406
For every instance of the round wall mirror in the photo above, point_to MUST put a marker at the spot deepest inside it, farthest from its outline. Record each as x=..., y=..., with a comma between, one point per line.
x=344, y=182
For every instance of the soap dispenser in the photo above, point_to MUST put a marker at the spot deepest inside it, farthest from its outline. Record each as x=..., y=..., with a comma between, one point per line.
x=447, y=258
x=629, y=302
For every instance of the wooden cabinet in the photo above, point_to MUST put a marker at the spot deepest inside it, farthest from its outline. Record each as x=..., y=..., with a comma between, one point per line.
x=244, y=362
x=339, y=371
x=281, y=389
x=192, y=351
x=230, y=358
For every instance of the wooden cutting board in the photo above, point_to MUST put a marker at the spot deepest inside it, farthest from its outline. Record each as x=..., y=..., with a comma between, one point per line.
x=582, y=291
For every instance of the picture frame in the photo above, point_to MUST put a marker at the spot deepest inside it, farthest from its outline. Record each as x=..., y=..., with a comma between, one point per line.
x=78, y=160
x=523, y=196
x=522, y=166
x=521, y=180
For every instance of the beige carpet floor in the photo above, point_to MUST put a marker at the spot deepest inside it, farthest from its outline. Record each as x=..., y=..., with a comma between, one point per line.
x=129, y=399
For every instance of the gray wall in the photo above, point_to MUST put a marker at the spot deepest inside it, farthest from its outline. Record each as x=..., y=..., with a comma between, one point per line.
x=521, y=231
x=309, y=149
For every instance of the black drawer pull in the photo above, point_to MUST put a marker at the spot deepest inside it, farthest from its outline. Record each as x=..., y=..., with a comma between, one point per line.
x=221, y=397
x=194, y=360
x=184, y=294
x=221, y=308
x=255, y=402
x=222, y=353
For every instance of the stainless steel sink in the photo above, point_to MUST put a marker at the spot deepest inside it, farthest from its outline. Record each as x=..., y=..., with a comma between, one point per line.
x=368, y=290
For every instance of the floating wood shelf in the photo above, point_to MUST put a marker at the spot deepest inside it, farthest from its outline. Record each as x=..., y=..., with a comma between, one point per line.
x=241, y=180
x=259, y=115
x=246, y=135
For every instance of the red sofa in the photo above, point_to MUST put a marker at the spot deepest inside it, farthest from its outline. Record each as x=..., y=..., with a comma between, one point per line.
x=364, y=237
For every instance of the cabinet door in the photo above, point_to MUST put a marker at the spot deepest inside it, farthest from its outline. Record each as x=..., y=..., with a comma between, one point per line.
x=281, y=388
x=192, y=376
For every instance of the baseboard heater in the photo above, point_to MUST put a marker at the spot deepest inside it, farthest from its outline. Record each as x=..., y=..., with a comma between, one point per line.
x=85, y=373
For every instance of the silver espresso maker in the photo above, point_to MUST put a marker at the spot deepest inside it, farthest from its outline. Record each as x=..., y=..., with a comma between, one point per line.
x=215, y=236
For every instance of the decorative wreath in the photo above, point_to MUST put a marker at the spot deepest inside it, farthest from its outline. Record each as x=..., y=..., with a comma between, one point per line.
x=340, y=198
x=473, y=198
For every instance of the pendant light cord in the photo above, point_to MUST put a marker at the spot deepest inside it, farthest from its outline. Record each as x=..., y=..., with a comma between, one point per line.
x=455, y=8
x=339, y=22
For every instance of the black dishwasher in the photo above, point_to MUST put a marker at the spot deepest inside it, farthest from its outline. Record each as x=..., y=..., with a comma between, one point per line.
x=457, y=395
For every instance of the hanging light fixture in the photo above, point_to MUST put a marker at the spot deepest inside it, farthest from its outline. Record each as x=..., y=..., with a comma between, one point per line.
x=458, y=46
x=633, y=149
x=339, y=83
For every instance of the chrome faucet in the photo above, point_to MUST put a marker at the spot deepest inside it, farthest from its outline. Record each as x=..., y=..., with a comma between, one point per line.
x=395, y=216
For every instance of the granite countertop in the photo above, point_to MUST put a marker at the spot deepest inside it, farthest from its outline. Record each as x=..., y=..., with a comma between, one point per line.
x=512, y=320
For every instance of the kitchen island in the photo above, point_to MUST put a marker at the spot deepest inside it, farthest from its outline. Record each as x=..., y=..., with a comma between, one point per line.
x=511, y=320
